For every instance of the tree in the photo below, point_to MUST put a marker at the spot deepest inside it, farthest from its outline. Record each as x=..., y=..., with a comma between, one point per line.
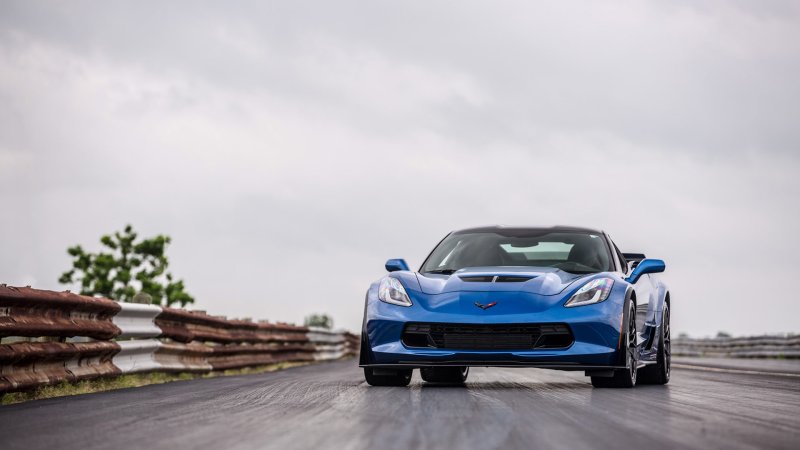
x=319, y=320
x=125, y=268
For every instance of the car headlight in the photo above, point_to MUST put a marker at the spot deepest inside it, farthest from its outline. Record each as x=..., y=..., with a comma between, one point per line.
x=392, y=291
x=592, y=292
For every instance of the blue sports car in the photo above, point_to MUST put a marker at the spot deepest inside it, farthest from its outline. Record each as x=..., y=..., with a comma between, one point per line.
x=560, y=298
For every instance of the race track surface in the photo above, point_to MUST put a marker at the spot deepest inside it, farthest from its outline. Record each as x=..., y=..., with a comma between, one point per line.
x=328, y=406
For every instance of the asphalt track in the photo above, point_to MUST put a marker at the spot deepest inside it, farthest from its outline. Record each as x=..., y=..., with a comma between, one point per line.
x=328, y=406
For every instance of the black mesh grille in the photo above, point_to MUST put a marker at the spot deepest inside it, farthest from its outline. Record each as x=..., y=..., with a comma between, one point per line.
x=487, y=336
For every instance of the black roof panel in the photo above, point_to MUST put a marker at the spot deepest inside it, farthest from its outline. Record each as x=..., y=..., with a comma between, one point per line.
x=513, y=230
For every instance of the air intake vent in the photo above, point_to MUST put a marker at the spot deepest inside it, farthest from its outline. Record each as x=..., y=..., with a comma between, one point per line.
x=460, y=336
x=478, y=278
x=495, y=278
x=512, y=278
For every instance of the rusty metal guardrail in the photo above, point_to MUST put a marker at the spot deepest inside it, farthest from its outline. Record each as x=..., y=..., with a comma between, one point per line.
x=48, y=337
x=34, y=313
x=25, y=365
x=777, y=346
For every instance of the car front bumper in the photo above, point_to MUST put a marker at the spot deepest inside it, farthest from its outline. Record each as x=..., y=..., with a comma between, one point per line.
x=595, y=328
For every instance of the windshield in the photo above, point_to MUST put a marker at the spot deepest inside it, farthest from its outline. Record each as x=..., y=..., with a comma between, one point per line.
x=575, y=252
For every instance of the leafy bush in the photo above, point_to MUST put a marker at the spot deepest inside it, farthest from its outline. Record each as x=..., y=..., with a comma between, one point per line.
x=126, y=268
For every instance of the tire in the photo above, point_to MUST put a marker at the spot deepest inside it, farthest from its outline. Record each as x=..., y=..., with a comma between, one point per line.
x=624, y=378
x=658, y=373
x=393, y=378
x=453, y=375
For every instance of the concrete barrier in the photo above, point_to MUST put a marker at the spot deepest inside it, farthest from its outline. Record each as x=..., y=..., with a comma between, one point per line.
x=327, y=354
x=329, y=344
x=137, y=321
x=137, y=356
x=324, y=336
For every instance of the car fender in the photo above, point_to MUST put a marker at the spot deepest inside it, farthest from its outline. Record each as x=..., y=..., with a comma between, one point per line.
x=629, y=297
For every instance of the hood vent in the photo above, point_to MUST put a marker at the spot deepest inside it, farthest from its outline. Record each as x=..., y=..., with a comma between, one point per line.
x=495, y=278
x=513, y=278
x=478, y=278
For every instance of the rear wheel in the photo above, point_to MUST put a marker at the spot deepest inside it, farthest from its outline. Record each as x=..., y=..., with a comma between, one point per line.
x=387, y=377
x=456, y=375
x=624, y=378
x=659, y=373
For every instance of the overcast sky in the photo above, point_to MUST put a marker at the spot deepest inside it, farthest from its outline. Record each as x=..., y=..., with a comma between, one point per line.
x=290, y=148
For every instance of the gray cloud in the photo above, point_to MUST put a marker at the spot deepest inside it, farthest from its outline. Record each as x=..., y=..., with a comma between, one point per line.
x=291, y=148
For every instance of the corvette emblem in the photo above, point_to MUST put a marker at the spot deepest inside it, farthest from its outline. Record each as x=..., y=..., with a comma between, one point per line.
x=486, y=306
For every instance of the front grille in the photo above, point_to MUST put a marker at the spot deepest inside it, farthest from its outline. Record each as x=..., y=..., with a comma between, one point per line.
x=487, y=336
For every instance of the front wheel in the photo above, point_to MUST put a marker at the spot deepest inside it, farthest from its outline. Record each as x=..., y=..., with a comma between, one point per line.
x=387, y=377
x=624, y=378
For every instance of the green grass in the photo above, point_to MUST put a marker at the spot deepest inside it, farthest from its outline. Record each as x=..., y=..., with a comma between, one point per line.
x=127, y=381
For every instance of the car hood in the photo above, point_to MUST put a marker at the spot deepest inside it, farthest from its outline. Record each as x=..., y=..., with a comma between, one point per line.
x=534, y=280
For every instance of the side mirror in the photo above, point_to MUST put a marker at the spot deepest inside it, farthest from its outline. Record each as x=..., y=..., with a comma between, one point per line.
x=646, y=266
x=394, y=265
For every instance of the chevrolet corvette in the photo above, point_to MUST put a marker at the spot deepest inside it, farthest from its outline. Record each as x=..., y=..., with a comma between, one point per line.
x=562, y=298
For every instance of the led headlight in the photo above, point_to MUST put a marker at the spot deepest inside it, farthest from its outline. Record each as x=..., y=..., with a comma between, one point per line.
x=592, y=292
x=392, y=291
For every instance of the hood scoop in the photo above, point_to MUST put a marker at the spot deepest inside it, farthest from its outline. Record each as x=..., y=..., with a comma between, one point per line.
x=533, y=280
x=496, y=278
x=477, y=278
x=513, y=278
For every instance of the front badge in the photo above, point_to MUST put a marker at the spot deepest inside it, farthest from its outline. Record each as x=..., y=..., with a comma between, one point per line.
x=486, y=306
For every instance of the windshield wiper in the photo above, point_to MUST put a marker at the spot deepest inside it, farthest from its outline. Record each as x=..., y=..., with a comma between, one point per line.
x=442, y=271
